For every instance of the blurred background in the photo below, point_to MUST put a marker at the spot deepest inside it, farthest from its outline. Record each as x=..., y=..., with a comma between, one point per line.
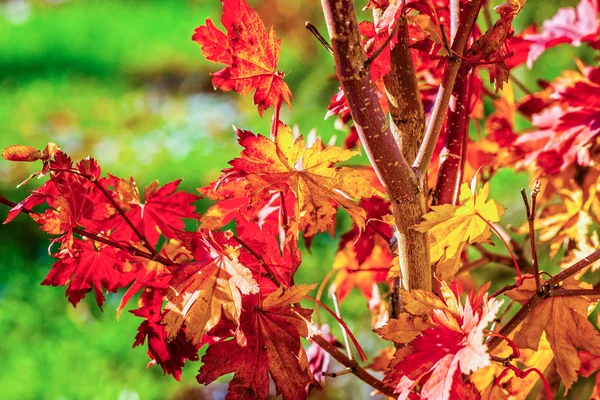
x=122, y=81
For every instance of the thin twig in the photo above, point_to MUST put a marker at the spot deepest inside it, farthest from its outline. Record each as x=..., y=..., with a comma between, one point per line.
x=356, y=369
x=574, y=292
x=130, y=249
x=382, y=47
x=575, y=268
x=531, y=210
x=344, y=327
x=313, y=29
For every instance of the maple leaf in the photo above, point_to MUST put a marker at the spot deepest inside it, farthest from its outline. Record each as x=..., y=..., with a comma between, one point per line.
x=71, y=197
x=568, y=25
x=457, y=331
x=270, y=345
x=376, y=229
x=89, y=265
x=250, y=52
x=285, y=164
x=567, y=123
x=204, y=289
x=283, y=259
x=169, y=354
x=365, y=275
x=570, y=219
x=452, y=227
x=161, y=212
x=492, y=45
x=564, y=320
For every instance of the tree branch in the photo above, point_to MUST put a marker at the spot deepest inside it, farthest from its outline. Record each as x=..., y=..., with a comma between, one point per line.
x=442, y=100
x=392, y=169
x=547, y=292
x=408, y=126
x=450, y=172
x=356, y=369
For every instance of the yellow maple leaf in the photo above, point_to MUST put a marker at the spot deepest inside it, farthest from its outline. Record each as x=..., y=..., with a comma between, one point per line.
x=564, y=320
x=452, y=227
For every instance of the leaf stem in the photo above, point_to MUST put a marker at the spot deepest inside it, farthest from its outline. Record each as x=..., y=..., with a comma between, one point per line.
x=493, y=228
x=336, y=307
x=345, y=328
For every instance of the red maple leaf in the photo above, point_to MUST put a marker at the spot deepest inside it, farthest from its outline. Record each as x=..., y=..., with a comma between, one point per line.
x=210, y=286
x=170, y=355
x=569, y=25
x=71, y=197
x=268, y=343
x=567, y=125
x=282, y=258
x=89, y=265
x=161, y=212
x=456, y=331
x=250, y=52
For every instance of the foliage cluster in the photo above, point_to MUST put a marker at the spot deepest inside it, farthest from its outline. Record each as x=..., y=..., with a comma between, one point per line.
x=410, y=250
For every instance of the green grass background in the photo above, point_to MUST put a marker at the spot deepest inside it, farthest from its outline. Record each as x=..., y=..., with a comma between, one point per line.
x=122, y=81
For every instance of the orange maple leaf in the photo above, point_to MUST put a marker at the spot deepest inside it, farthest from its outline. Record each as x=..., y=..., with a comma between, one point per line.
x=250, y=52
x=201, y=291
x=371, y=272
x=564, y=320
x=286, y=164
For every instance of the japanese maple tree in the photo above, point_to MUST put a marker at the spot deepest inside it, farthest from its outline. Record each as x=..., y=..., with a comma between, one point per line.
x=427, y=94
